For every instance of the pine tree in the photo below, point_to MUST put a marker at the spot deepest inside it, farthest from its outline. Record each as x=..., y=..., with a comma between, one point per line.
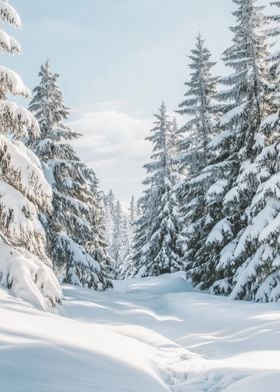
x=198, y=165
x=70, y=228
x=275, y=56
x=127, y=242
x=97, y=246
x=133, y=216
x=199, y=105
x=24, y=265
x=124, y=264
x=118, y=229
x=117, y=239
x=245, y=103
x=132, y=210
x=257, y=252
x=109, y=208
x=156, y=250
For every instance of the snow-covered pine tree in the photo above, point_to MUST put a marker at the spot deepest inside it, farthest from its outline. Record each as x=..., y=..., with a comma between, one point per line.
x=118, y=231
x=245, y=103
x=132, y=210
x=257, y=251
x=275, y=55
x=156, y=250
x=97, y=246
x=118, y=240
x=69, y=228
x=24, y=265
x=199, y=167
x=128, y=233
x=109, y=208
x=132, y=217
x=199, y=106
x=124, y=265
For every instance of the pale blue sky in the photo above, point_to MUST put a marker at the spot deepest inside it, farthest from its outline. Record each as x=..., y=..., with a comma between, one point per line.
x=118, y=59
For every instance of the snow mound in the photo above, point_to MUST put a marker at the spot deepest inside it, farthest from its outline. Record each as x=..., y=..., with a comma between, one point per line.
x=174, y=283
x=28, y=278
x=269, y=381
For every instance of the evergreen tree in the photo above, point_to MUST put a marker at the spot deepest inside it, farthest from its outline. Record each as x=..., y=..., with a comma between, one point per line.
x=199, y=106
x=69, y=228
x=257, y=252
x=97, y=246
x=132, y=210
x=201, y=173
x=119, y=233
x=24, y=265
x=156, y=250
x=124, y=264
x=109, y=206
x=127, y=242
x=244, y=104
x=275, y=56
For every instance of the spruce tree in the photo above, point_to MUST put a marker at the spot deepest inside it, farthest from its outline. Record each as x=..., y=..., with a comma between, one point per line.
x=127, y=242
x=124, y=264
x=199, y=167
x=97, y=246
x=199, y=106
x=257, y=252
x=24, y=266
x=69, y=228
x=156, y=249
x=117, y=239
x=109, y=209
x=275, y=55
x=132, y=217
x=244, y=104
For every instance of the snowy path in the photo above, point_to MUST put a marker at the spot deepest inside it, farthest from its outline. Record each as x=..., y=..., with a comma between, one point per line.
x=150, y=335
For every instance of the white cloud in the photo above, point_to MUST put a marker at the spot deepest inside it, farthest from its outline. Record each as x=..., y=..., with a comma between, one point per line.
x=113, y=143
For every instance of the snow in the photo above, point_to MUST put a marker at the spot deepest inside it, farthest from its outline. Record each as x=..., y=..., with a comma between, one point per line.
x=17, y=119
x=20, y=227
x=233, y=114
x=28, y=277
x=9, y=43
x=220, y=139
x=23, y=164
x=152, y=334
x=13, y=83
x=270, y=120
x=219, y=232
x=8, y=14
x=218, y=188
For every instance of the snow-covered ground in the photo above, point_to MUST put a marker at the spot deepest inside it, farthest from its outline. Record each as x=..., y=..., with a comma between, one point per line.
x=151, y=335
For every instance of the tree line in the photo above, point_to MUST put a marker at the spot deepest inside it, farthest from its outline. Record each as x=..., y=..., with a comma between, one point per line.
x=211, y=204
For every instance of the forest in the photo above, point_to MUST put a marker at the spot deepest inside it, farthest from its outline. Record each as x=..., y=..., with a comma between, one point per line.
x=204, y=232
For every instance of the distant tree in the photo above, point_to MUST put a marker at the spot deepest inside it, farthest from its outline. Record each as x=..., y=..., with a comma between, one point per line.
x=127, y=243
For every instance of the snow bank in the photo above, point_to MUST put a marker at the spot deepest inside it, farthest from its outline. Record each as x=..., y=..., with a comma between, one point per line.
x=28, y=278
x=145, y=335
x=166, y=284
